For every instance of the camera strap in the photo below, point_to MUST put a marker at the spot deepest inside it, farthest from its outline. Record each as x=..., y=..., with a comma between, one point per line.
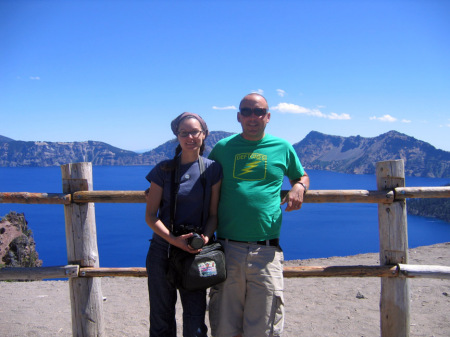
x=175, y=187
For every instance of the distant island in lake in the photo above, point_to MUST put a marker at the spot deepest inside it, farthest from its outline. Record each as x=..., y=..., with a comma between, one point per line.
x=318, y=151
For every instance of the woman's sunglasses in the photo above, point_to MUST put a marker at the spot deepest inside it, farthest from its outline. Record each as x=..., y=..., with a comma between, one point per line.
x=194, y=134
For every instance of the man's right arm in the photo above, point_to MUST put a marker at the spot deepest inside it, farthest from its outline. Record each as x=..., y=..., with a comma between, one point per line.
x=294, y=198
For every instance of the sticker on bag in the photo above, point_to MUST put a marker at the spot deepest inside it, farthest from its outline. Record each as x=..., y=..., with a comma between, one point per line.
x=207, y=269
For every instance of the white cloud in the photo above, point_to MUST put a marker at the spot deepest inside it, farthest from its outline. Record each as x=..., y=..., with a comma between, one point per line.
x=259, y=91
x=385, y=118
x=281, y=92
x=406, y=121
x=37, y=78
x=229, y=107
x=297, y=109
x=334, y=115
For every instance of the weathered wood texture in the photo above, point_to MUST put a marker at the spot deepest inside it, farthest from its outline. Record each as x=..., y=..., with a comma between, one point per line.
x=35, y=198
x=400, y=270
x=420, y=271
x=394, y=300
x=38, y=273
x=313, y=196
x=340, y=271
x=422, y=192
x=288, y=272
x=109, y=196
x=121, y=272
x=81, y=237
x=346, y=196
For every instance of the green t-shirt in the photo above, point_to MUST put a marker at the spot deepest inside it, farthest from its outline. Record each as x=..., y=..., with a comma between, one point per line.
x=253, y=172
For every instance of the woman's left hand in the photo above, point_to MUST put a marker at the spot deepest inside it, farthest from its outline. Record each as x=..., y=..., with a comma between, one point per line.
x=205, y=239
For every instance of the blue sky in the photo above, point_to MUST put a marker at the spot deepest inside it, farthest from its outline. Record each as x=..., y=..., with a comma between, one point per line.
x=120, y=71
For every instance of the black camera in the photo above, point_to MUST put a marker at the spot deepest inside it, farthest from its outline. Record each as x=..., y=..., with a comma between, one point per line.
x=195, y=241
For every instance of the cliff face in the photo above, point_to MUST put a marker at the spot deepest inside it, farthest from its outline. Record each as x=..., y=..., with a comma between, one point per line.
x=359, y=155
x=18, y=153
x=34, y=154
x=17, y=246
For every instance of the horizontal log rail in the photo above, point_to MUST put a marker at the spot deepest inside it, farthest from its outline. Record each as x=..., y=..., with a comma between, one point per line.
x=424, y=271
x=288, y=272
x=121, y=272
x=400, y=270
x=109, y=196
x=402, y=193
x=341, y=271
x=313, y=196
x=38, y=273
x=35, y=198
x=347, y=196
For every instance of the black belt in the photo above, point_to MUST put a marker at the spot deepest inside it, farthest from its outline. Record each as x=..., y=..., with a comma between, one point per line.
x=271, y=242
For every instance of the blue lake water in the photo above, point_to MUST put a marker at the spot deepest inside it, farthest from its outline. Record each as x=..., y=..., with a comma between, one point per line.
x=317, y=230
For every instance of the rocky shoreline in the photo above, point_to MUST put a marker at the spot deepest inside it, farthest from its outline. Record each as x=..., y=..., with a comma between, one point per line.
x=17, y=245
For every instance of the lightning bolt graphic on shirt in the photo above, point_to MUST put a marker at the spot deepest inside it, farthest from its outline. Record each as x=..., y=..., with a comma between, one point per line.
x=249, y=167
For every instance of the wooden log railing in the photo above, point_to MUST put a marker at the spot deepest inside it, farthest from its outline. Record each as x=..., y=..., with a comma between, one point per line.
x=392, y=227
x=313, y=196
x=69, y=271
x=35, y=198
x=39, y=273
x=83, y=270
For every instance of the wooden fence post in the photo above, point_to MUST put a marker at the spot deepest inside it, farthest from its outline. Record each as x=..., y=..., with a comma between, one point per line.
x=392, y=221
x=81, y=237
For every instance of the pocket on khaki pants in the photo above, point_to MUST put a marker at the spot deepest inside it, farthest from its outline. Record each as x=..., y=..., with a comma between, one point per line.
x=277, y=313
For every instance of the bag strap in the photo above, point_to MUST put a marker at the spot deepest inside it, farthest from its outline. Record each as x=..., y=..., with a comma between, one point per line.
x=175, y=187
x=201, y=166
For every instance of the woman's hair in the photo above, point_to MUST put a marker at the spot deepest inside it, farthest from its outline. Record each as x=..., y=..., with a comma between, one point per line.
x=171, y=164
x=202, y=147
x=176, y=122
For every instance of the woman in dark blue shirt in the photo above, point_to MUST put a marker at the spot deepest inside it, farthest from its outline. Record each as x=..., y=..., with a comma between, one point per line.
x=195, y=207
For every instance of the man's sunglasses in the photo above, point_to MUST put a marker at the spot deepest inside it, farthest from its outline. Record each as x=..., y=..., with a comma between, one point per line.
x=247, y=112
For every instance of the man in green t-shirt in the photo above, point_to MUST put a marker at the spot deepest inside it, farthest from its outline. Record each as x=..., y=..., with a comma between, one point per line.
x=250, y=301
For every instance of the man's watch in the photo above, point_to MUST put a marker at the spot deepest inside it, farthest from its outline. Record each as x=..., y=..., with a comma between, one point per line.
x=304, y=186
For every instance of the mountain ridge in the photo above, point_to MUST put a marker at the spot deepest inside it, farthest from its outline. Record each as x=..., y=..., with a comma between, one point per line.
x=359, y=155
x=318, y=151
